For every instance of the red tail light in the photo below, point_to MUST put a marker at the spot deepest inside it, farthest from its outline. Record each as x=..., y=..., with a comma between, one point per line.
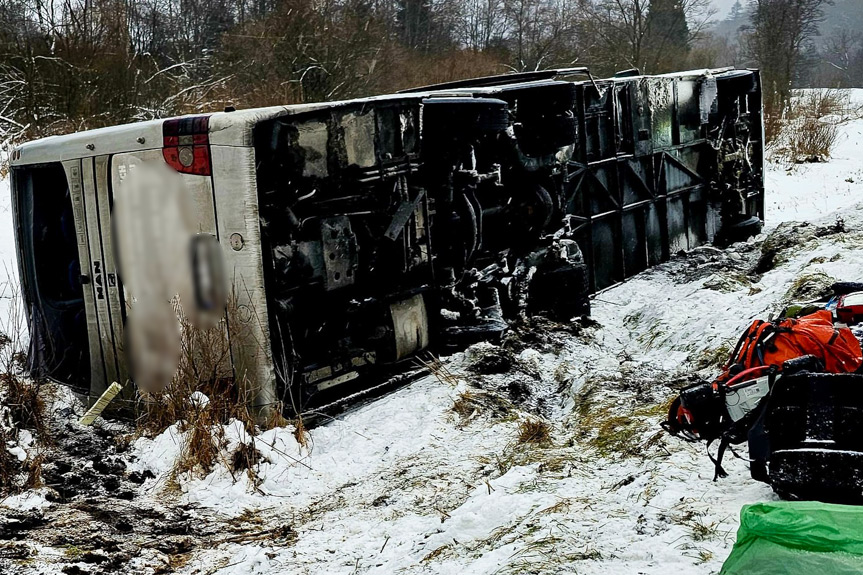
x=186, y=144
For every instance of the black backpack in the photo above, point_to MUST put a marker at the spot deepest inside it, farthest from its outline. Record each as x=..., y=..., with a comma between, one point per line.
x=710, y=412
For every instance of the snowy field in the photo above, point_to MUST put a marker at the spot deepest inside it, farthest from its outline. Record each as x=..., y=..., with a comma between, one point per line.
x=433, y=478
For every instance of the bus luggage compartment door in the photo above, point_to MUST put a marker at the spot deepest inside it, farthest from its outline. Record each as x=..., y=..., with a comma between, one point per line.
x=91, y=206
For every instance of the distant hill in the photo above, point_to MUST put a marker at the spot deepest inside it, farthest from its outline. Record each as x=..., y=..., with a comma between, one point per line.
x=847, y=14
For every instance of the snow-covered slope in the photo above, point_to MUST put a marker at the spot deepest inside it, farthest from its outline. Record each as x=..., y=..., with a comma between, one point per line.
x=8, y=263
x=438, y=478
x=809, y=191
x=406, y=486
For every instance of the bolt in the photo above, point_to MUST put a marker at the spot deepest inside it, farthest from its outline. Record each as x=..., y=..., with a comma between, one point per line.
x=244, y=313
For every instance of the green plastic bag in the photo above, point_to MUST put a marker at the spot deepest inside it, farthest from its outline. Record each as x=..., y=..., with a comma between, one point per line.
x=797, y=538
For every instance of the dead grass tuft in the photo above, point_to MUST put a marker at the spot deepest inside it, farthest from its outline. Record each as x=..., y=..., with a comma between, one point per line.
x=561, y=507
x=25, y=401
x=10, y=467
x=436, y=553
x=810, y=129
x=201, y=447
x=469, y=404
x=465, y=405
x=703, y=556
x=699, y=529
x=22, y=401
x=712, y=358
x=300, y=433
x=812, y=141
x=203, y=389
x=614, y=434
x=808, y=287
x=438, y=369
x=585, y=398
x=535, y=431
x=546, y=555
x=246, y=458
x=277, y=419
x=33, y=467
x=201, y=398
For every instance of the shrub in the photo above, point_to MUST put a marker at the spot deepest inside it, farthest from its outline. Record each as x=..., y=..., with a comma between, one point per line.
x=809, y=129
x=22, y=402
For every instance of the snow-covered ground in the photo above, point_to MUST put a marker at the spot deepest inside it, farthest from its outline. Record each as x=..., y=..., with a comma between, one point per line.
x=407, y=484
x=811, y=191
x=8, y=263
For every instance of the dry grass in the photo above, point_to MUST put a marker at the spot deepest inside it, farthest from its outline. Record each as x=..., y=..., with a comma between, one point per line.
x=808, y=286
x=300, y=433
x=22, y=402
x=469, y=404
x=438, y=369
x=614, y=433
x=181, y=400
x=712, y=357
x=699, y=529
x=23, y=396
x=245, y=459
x=33, y=467
x=201, y=447
x=466, y=405
x=585, y=398
x=25, y=401
x=809, y=130
x=437, y=553
x=10, y=467
x=534, y=431
x=201, y=398
x=546, y=555
x=812, y=140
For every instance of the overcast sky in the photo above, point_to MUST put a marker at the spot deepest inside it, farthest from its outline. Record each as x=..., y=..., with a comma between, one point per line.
x=724, y=6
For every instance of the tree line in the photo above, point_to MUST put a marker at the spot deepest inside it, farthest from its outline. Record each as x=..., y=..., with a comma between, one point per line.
x=67, y=65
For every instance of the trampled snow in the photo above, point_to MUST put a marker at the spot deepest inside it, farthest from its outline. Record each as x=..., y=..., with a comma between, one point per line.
x=406, y=485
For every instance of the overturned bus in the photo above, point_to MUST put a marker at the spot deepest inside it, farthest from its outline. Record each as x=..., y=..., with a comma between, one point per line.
x=347, y=237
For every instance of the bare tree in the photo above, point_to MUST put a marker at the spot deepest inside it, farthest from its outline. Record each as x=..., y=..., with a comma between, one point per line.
x=73, y=64
x=776, y=40
x=482, y=24
x=843, y=52
x=651, y=35
x=541, y=33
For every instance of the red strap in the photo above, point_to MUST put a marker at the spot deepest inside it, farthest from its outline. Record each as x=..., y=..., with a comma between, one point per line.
x=751, y=373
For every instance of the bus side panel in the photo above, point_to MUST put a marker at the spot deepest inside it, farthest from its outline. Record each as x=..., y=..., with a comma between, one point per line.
x=236, y=200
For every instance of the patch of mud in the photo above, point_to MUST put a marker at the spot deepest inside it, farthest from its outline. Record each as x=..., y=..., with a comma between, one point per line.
x=101, y=536
x=99, y=521
x=498, y=395
x=87, y=462
x=546, y=335
x=724, y=269
x=491, y=360
x=15, y=524
x=774, y=247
